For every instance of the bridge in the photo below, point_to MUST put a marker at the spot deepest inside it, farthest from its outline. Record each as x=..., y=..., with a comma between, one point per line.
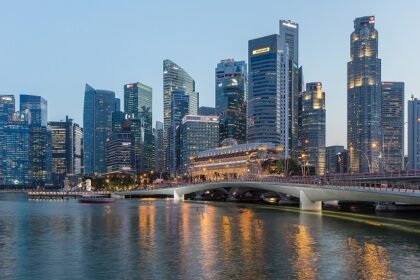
x=310, y=193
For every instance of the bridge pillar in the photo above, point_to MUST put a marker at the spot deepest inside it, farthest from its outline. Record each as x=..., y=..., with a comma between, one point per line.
x=178, y=197
x=308, y=205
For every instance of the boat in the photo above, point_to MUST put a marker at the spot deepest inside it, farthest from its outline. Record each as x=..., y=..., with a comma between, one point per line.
x=95, y=199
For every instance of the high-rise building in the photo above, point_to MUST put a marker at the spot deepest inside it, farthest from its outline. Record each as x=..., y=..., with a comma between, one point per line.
x=118, y=118
x=331, y=153
x=206, y=111
x=393, y=125
x=159, y=148
x=267, y=111
x=414, y=134
x=77, y=149
x=7, y=107
x=313, y=127
x=120, y=152
x=364, y=138
x=62, y=155
x=179, y=108
x=231, y=85
x=198, y=133
x=14, y=151
x=97, y=124
x=175, y=78
x=39, y=140
x=138, y=104
x=289, y=38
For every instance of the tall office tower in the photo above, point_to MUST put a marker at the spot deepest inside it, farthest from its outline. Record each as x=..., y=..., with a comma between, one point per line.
x=118, y=118
x=198, y=133
x=117, y=104
x=120, y=154
x=206, y=111
x=268, y=100
x=179, y=108
x=231, y=84
x=331, y=153
x=364, y=139
x=138, y=104
x=289, y=38
x=97, y=124
x=393, y=125
x=175, y=78
x=61, y=150
x=159, y=149
x=14, y=151
x=39, y=140
x=7, y=107
x=301, y=89
x=77, y=149
x=313, y=127
x=413, y=134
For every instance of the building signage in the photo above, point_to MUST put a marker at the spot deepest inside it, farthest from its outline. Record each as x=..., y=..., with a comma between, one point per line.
x=261, y=50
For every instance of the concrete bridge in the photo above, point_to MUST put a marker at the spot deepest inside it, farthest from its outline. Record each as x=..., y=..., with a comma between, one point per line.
x=310, y=194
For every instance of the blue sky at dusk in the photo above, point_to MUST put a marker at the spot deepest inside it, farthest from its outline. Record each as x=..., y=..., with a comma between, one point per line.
x=52, y=48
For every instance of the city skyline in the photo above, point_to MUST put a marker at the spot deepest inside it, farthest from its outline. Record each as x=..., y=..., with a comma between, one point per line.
x=326, y=66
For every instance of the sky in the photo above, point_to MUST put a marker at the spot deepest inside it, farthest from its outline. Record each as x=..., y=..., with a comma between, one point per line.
x=53, y=48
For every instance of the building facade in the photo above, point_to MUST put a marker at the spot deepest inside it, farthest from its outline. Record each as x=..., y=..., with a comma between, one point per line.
x=313, y=127
x=7, y=107
x=206, y=111
x=231, y=86
x=198, y=133
x=364, y=137
x=331, y=163
x=97, y=124
x=120, y=152
x=267, y=112
x=175, y=78
x=413, y=161
x=77, y=149
x=393, y=125
x=159, y=148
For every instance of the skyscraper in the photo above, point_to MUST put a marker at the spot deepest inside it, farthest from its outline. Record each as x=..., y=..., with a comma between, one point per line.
x=364, y=138
x=175, y=78
x=313, y=127
x=413, y=134
x=61, y=150
x=206, y=111
x=77, y=149
x=120, y=154
x=159, y=149
x=289, y=38
x=14, y=151
x=268, y=92
x=138, y=104
x=198, y=133
x=231, y=85
x=39, y=140
x=179, y=108
x=331, y=155
x=97, y=123
x=393, y=125
x=7, y=107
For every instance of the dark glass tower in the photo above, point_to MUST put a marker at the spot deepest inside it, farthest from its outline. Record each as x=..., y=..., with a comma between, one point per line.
x=364, y=137
x=7, y=107
x=268, y=92
x=97, y=123
x=231, y=84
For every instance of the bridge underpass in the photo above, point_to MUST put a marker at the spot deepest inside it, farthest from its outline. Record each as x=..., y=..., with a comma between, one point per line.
x=311, y=195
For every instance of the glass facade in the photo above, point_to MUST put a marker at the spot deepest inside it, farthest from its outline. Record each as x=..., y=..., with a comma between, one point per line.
x=175, y=78
x=413, y=162
x=393, y=125
x=97, y=122
x=364, y=137
x=77, y=149
x=7, y=107
x=38, y=108
x=159, y=149
x=267, y=112
x=331, y=164
x=14, y=151
x=120, y=152
x=231, y=85
x=313, y=127
x=206, y=111
x=198, y=133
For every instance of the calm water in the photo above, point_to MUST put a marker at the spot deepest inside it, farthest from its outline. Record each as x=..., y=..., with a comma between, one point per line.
x=134, y=239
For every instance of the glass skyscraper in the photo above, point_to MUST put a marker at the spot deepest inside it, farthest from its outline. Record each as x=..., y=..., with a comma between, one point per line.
x=414, y=134
x=268, y=100
x=7, y=107
x=97, y=124
x=37, y=106
x=364, y=138
x=175, y=78
x=231, y=85
x=77, y=149
x=393, y=125
x=138, y=104
x=313, y=127
x=159, y=148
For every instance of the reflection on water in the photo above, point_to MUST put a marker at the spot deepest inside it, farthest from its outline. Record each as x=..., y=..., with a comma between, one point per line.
x=133, y=239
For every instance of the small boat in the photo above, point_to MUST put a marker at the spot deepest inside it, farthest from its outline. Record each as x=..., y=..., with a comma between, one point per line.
x=95, y=199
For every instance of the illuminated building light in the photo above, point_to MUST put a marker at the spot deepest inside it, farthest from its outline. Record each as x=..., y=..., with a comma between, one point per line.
x=261, y=50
